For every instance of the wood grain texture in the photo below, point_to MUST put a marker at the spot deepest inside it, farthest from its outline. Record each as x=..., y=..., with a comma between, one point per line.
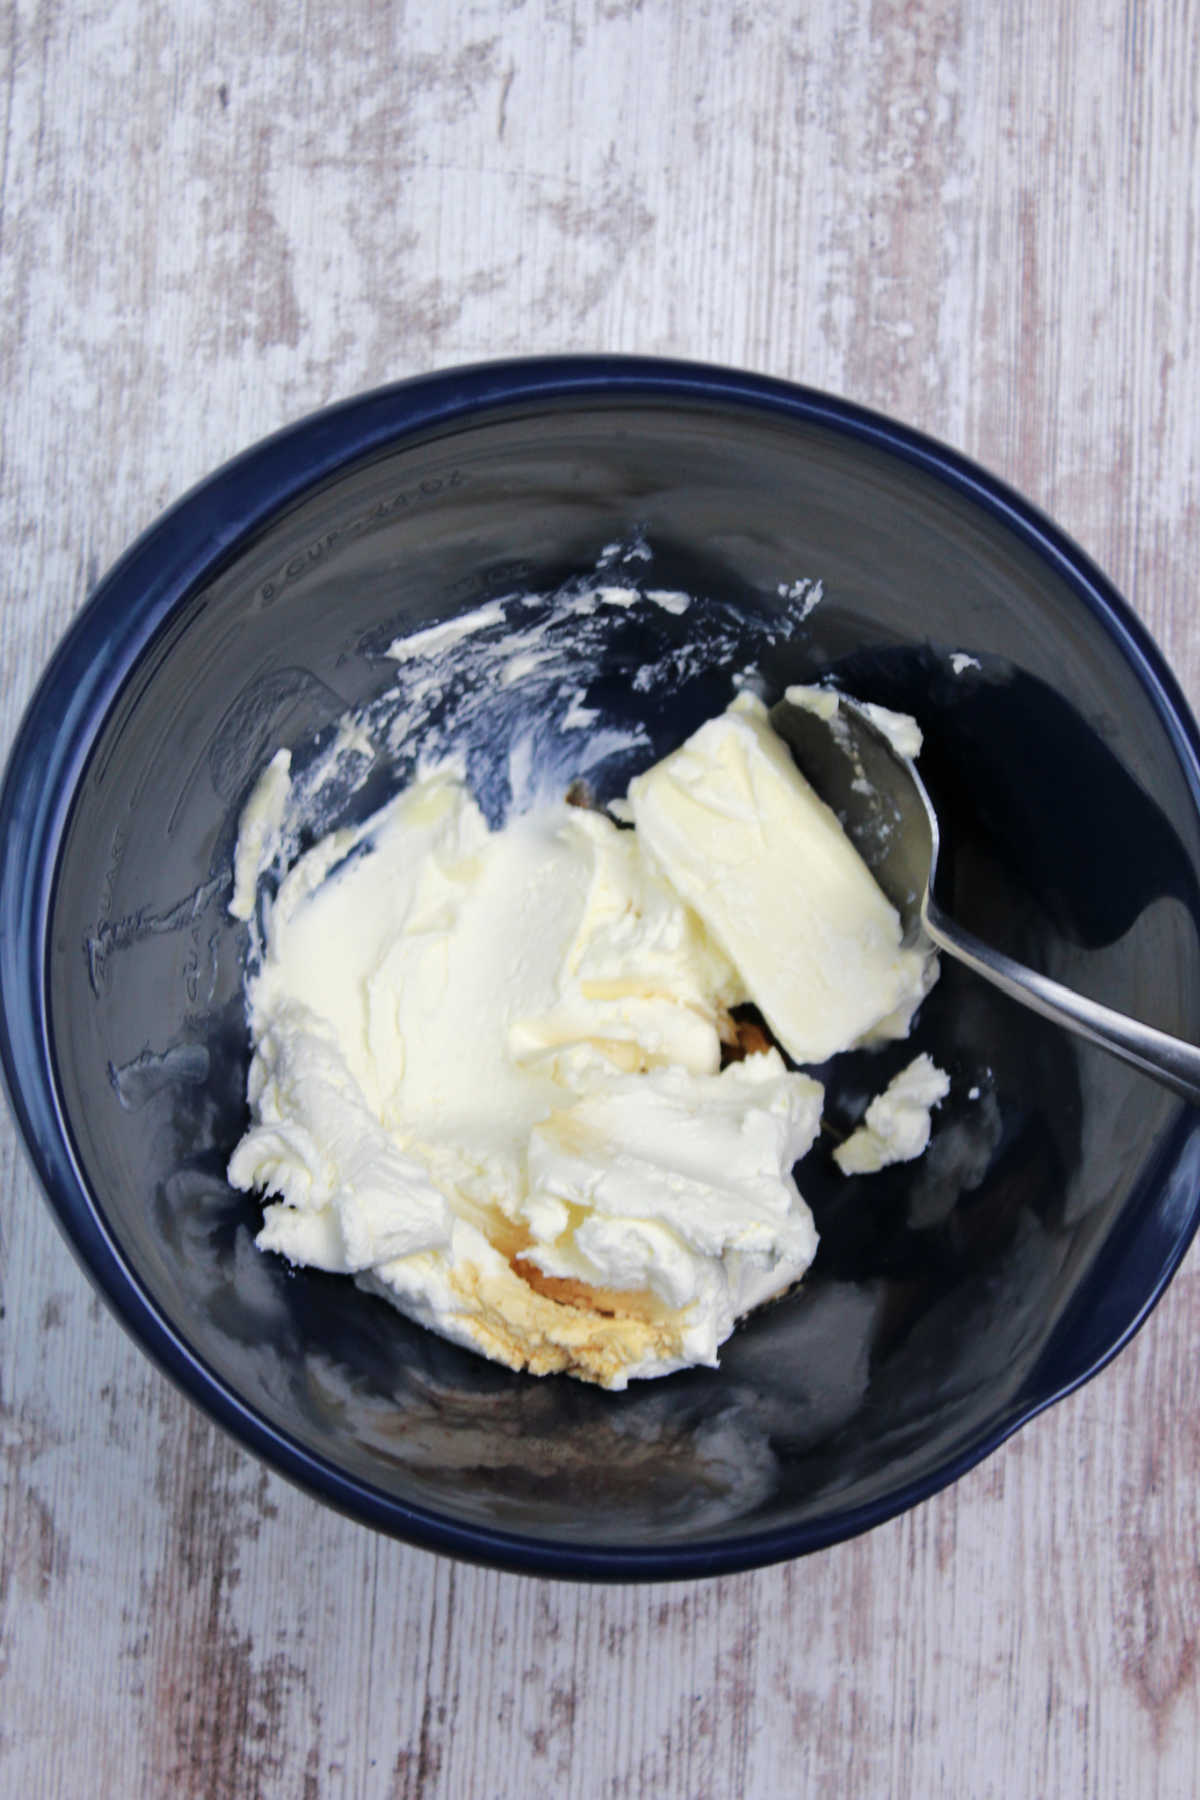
x=212, y=218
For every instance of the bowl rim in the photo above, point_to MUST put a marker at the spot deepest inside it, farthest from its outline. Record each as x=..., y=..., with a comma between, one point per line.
x=182, y=550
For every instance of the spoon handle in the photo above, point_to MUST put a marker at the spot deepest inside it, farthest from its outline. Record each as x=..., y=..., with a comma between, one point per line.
x=1167, y=1059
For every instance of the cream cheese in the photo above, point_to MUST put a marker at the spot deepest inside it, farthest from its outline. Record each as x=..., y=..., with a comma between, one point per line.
x=742, y=837
x=897, y=1123
x=900, y=729
x=487, y=1075
x=258, y=831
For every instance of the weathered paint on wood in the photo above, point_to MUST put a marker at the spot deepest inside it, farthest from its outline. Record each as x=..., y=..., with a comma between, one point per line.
x=985, y=219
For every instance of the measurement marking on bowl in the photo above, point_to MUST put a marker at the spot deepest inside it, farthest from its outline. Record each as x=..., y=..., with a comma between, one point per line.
x=314, y=554
x=136, y=1082
x=254, y=722
x=107, y=936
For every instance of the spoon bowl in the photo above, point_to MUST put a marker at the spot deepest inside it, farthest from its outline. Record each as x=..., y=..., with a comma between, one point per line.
x=850, y=754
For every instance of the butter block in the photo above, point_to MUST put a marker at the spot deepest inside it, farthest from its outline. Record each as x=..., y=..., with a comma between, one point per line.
x=740, y=834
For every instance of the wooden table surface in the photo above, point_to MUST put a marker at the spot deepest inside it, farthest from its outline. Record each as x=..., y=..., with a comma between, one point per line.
x=982, y=218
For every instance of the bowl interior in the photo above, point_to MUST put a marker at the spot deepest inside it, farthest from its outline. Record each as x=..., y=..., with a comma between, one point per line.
x=1071, y=841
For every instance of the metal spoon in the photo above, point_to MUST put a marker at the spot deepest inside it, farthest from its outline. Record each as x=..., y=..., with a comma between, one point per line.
x=887, y=813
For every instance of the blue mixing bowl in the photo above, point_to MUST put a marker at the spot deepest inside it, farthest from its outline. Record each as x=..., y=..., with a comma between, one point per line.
x=951, y=1299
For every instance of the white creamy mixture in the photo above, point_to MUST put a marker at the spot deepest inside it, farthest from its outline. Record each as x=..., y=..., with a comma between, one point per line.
x=897, y=1123
x=487, y=1071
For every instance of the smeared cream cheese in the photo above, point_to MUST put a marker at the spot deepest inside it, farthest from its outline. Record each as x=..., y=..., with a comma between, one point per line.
x=900, y=729
x=258, y=832
x=897, y=1123
x=487, y=1077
